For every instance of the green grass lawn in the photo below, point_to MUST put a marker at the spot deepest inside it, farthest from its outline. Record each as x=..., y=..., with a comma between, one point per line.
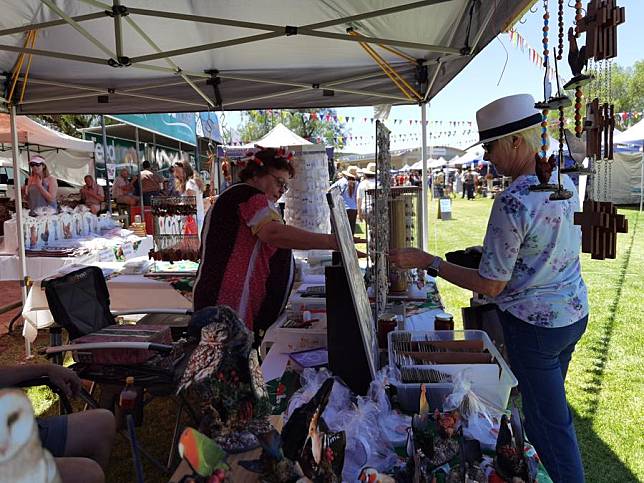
x=605, y=382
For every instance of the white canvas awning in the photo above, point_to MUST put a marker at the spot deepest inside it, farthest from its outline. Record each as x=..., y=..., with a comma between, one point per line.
x=91, y=56
x=68, y=158
x=634, y=134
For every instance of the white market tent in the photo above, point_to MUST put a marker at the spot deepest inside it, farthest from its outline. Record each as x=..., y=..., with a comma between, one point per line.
x=280, y=136
x=88, y=56
x=68, y=158
x=475, y=153
x=633, y=135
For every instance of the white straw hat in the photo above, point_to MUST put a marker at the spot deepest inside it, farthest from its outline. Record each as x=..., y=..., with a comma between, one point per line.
x=506, y=116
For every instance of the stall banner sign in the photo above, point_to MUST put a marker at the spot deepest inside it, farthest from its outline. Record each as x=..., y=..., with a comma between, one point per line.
x=179, y=126
x=445, y=209
x=207, y=126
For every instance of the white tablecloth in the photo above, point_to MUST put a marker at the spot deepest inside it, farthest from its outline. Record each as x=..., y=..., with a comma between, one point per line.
x=127, y=292
x=41, y=267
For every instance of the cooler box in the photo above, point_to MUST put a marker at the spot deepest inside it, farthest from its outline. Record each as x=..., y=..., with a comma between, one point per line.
x=159, y=334
x=149, y=223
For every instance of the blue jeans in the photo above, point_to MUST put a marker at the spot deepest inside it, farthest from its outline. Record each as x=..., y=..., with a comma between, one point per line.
x=539, y=358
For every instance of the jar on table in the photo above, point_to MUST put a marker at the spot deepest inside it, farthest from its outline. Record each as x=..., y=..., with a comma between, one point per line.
x=444, y=321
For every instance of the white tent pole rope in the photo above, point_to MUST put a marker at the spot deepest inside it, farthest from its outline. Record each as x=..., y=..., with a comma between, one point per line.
x=80, y=29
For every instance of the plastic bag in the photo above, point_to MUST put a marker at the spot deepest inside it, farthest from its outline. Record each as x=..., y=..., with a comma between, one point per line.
x=311, y=381
x=392, y=423
x=481, y=417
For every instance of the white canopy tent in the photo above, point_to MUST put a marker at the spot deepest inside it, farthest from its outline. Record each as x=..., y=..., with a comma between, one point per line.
x=68, y=158
x=475, y=153
x=294, y=54
x=633, y=135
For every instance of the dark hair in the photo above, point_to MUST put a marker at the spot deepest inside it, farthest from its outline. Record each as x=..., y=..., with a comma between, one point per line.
x=145, y=164
x=263, y=161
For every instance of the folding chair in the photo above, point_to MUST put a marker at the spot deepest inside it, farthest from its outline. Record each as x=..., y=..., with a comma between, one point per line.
x=80, y=304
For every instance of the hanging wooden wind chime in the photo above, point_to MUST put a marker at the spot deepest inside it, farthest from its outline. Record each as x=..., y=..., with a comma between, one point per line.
x=599, y=220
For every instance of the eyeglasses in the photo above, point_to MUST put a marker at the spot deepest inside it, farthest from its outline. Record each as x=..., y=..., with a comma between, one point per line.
x=488, y=146
x=280, y=182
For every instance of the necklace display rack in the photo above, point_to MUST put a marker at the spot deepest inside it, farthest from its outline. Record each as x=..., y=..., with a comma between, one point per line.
x=173, y=240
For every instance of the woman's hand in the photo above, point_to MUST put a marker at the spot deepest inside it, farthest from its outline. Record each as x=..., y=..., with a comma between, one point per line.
x=410, y=258
x=34, y=181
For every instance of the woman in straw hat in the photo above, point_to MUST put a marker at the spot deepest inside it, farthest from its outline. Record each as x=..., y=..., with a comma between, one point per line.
x=368, y=183
x=530, y=268
x=348, y=185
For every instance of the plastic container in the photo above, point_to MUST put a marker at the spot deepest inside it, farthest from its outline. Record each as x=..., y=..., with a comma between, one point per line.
x=497, y=393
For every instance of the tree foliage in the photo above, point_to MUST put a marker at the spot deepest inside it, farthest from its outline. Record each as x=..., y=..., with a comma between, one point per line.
x=70, y=123
x=322, y=126
x=627, y=96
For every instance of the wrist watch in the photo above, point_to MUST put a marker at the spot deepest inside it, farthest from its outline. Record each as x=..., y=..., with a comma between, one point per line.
x=434, y=267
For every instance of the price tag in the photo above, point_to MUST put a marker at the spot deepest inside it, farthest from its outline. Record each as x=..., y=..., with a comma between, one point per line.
x=106, y=255
x=128, y=250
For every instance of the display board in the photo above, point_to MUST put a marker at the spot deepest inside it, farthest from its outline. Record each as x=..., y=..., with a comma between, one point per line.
x=342, y=230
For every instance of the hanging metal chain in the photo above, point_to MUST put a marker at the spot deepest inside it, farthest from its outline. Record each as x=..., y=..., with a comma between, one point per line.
x=609, y=101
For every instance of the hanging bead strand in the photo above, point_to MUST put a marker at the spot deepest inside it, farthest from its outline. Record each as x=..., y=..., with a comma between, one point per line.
x=578, y=17
x=560, y=21
x=546, y=64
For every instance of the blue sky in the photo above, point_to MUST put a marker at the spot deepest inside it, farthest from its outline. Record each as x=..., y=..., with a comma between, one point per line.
x=485, y=79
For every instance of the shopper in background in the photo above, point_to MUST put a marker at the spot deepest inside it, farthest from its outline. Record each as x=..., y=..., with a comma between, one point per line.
x=186, y=185
x=348, y=186
x=151, y=182
x=122, y=189
x=92, y=194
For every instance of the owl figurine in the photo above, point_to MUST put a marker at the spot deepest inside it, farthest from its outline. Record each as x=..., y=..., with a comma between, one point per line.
x=22, y=457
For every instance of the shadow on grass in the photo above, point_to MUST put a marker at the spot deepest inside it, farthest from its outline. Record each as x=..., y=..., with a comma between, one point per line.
x=600, y=462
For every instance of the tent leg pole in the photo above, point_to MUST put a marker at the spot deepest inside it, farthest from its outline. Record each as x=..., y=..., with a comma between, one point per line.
x=642, y=179
x=22, y=265
x=138, y=162
x=105, y=160
x=424, y=222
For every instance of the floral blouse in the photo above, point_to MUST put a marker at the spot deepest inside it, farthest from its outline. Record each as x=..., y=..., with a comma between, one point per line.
x=533, y=244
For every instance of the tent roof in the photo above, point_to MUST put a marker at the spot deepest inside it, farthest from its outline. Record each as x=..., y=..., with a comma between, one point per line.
x=30, y=132
x=128, y=132
x=191, y=55
x=633, y=134
x=280, y=136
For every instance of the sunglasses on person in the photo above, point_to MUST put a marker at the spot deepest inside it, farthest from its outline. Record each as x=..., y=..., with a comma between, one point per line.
x=488, y=146
x=35, y=165
x=283, y=185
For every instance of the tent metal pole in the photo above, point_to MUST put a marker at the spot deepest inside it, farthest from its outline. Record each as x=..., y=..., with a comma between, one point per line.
x=449, y=42
x=105, y=160
x=375, y=40
x=118, y=32
x=80, y=29
x=22, y=261
x=424, y=221
x=138, y=162
x=56, y=55
x=201, y=48
x=51, y=23
x=375, y=13
x=642, y=178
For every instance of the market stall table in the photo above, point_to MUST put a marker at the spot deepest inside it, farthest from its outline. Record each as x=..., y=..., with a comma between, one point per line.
x=39, y=267
x=127, y=292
